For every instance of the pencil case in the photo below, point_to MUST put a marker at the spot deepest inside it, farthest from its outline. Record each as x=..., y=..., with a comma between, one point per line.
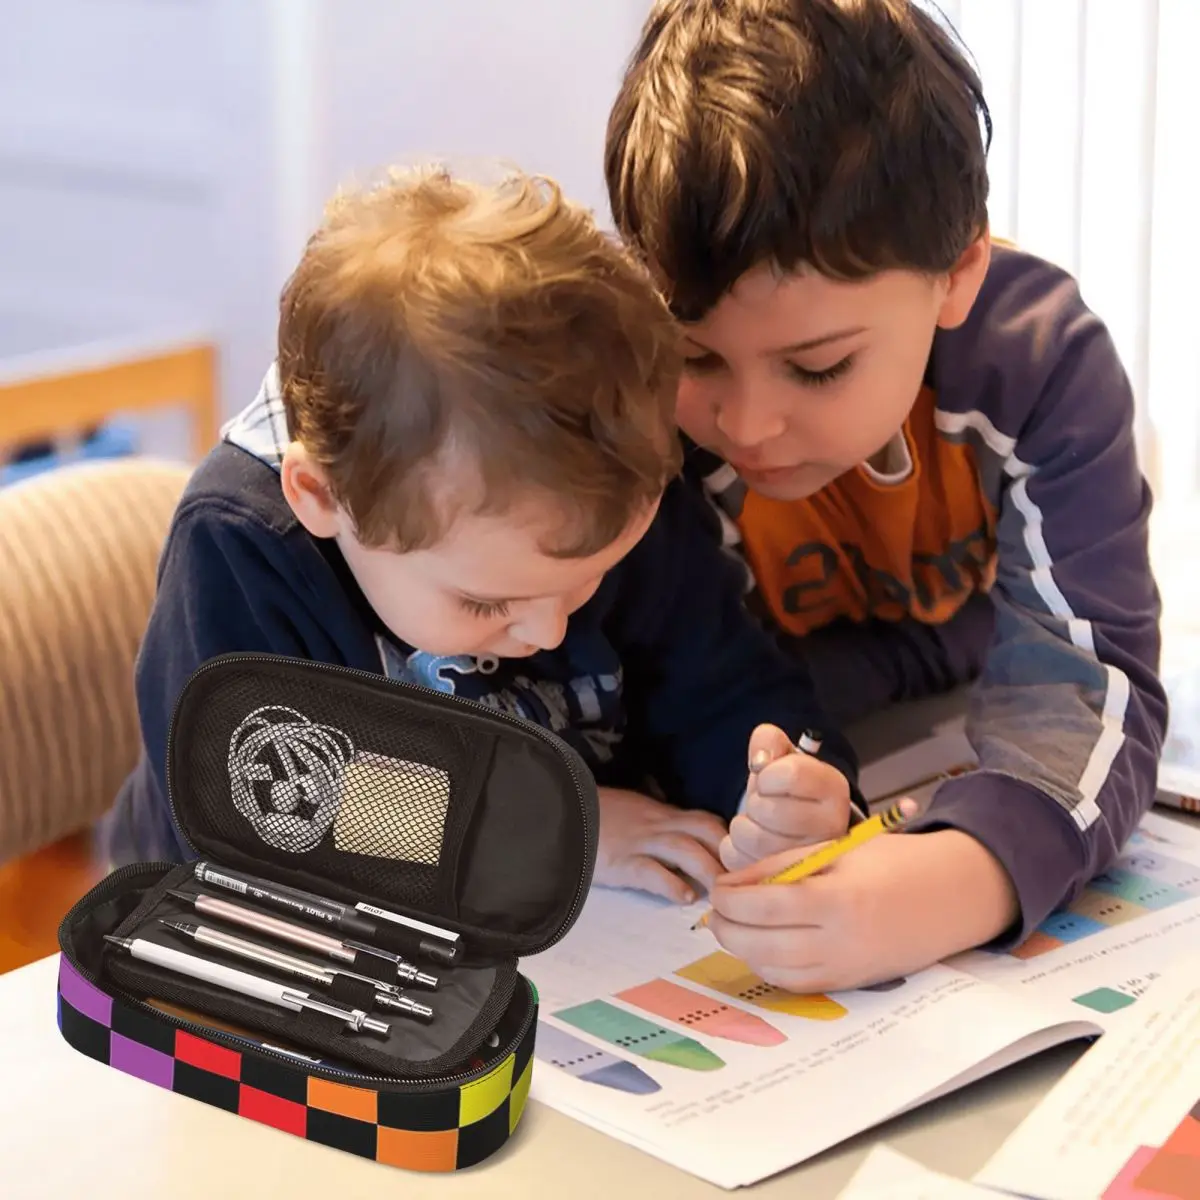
x=375, y=793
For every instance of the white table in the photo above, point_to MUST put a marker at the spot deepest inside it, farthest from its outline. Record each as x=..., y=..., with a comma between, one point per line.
x=70, y=1126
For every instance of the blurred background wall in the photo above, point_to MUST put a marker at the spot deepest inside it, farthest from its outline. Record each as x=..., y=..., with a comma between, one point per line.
x=161, y=161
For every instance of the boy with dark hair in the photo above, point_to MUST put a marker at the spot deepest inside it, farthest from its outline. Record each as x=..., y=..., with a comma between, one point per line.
x=922, y=441
x=460, y=473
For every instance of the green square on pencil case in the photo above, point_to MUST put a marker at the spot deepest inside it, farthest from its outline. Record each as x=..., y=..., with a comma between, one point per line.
x=399, y=812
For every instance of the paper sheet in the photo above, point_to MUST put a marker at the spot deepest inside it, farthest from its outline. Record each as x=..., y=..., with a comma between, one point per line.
x=1124, y=1123
x=1107, y=948
x=654, y=1035
x=887, y=1175
x=1103, y=953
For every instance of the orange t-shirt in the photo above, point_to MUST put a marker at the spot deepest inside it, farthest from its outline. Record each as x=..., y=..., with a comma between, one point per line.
x=863, y=548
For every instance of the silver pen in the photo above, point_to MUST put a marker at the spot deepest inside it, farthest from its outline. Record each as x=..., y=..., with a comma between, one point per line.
x=442, y=945
x=244, y=984
x=338, y=949
x=289, y=964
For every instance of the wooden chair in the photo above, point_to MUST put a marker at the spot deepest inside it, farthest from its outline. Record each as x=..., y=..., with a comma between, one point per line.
x=80, y=548
x=46, y=395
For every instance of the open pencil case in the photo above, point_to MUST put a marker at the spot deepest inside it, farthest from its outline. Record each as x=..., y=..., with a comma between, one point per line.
x=366, y=791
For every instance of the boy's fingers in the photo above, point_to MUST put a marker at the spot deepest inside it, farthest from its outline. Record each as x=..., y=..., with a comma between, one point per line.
x=707, y=828
x=648, y=875
x=769, y=950
x=732, y=859
x=801, y=775
x=765, y=867
x=686, y=855
x=798, y=818
x=771, y=906
x=753, y=842
x=767, y=743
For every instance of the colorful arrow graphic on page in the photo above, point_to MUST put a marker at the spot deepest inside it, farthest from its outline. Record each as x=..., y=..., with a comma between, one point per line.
x=630, y=1032
x=590, y=1063
x=731, y=977
x=673, y=1002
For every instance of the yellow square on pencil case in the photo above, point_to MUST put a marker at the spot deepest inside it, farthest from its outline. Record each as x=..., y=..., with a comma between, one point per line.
x=392, y=808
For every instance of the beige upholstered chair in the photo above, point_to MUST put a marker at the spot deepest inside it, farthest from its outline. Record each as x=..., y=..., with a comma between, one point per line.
x=79, y=550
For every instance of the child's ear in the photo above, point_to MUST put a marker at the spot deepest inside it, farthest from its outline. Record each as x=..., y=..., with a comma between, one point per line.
x=306, y=489
x=965, y=279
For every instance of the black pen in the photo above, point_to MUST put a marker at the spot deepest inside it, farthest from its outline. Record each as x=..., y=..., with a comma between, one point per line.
x=442, y=945
x=278, y=895
x=434, y=942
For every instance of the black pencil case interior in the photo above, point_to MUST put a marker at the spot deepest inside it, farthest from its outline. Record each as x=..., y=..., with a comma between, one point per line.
x=362, y=790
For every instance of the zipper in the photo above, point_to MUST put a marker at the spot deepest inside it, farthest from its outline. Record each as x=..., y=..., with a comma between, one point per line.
x=234, y=1041
x=389, y=1082
x=427, y=695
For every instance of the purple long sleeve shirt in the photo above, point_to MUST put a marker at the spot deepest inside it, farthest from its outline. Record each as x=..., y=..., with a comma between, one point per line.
x=1017, y=479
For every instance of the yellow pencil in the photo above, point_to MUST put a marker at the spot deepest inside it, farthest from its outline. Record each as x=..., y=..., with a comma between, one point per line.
x=894, y=818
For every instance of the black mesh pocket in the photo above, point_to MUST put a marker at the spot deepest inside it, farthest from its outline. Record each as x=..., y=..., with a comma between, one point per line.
x=321, y=773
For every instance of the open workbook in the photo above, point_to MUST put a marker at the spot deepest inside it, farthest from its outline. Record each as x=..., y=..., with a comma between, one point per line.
x=652, y=1034
x=1124, y=1122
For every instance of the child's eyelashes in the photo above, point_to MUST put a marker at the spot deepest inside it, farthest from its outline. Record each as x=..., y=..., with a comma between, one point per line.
x=484, y=608
x=826, y=375
x=710, y=364
x=702, y=364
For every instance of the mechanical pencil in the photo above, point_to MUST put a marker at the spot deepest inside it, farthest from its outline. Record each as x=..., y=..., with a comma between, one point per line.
x=218, y=939
x=244, y=984
x=339, y=949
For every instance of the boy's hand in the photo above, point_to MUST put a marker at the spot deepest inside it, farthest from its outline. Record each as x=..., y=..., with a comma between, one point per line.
x=656, y=847
x=793, y=799
x=893, y=906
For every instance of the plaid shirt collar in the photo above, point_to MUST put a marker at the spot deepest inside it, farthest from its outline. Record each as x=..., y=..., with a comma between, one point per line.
x=261, y=428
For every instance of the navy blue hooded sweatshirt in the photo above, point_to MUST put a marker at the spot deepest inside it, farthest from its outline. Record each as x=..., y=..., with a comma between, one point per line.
x=662, y=674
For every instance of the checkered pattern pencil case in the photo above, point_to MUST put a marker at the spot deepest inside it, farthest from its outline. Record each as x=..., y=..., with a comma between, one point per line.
x=419, y=815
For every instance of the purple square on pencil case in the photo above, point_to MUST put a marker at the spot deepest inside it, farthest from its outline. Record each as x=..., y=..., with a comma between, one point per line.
x=82, y=996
